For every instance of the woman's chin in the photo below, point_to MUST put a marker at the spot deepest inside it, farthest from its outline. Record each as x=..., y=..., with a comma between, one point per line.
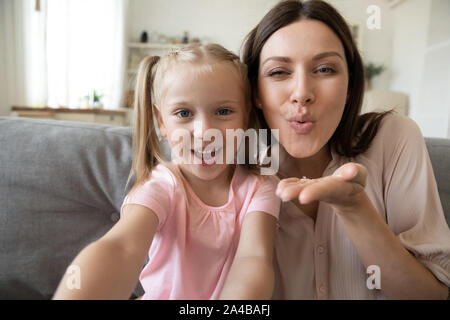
x=302, y=147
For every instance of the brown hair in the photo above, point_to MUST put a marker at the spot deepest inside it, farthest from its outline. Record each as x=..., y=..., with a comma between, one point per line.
x=354, y=132
x=147, y=152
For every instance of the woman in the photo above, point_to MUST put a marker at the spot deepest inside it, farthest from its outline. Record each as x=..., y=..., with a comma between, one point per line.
x=370, y=201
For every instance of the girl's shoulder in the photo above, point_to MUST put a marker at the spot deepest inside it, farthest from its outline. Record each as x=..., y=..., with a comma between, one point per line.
x=161, y=176
x=246, y=177
x=164, y=173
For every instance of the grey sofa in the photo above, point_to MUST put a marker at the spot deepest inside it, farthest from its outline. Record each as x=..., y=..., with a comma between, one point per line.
x=61, y=187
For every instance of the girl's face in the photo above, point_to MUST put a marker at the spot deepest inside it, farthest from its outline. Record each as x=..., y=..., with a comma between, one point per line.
x=192, y=104
x=302, y=85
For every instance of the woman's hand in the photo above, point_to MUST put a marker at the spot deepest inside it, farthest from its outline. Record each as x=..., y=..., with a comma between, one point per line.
x=343, y=189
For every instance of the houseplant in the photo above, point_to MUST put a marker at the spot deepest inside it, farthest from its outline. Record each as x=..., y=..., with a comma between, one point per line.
x=372, y=70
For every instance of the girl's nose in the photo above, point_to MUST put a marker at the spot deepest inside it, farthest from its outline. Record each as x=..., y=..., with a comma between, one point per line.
x=201, y=126
x=302, y=93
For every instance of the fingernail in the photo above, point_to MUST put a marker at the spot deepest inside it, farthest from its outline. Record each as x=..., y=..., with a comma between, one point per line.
x=301, y=199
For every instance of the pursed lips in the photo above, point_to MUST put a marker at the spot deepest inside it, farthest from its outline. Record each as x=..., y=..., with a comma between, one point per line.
x=301, y=124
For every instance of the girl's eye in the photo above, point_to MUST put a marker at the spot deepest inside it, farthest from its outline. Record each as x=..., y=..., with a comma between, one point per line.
x=183, y=114
x=326, y=70
x=224, y=112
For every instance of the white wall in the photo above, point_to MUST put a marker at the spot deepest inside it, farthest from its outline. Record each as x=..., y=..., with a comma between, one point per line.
x=376, y=44
x=228, y=22
x=224, y=22
x=4, y=103
x=4, y=96
x=421, y=62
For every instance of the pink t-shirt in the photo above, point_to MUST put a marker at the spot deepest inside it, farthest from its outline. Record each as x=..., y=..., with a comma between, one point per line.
x=194, y=245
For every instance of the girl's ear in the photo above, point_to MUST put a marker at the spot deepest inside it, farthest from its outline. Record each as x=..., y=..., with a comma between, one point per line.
x=158, y=115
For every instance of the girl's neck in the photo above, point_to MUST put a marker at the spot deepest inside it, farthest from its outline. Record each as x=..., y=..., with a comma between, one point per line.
x=311, y=167
x=213, y=192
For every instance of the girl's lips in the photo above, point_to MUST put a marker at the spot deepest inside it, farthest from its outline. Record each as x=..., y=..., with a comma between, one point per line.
x=207, y=158
x=302, y=127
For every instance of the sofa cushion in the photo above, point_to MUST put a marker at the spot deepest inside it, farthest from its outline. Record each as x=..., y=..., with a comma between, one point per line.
x=61, y=187
x=439, y=151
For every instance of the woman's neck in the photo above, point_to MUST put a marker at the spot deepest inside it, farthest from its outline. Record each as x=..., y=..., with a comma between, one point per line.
x=311, y=167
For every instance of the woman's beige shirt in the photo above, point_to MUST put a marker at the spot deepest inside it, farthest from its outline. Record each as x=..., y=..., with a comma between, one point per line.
x=316, y=260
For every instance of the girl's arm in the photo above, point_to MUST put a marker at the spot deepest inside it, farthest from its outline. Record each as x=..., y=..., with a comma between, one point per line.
x=110, y=267
x=251, y=275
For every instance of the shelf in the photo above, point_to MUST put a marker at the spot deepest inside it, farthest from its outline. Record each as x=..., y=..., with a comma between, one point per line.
x=161, y=46
x=120, y=111
x=116, y=117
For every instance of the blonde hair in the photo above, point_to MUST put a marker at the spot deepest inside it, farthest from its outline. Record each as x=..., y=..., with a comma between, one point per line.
x=147, y=151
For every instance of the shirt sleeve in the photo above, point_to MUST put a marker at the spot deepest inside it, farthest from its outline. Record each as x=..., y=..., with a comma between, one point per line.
x=264, y=198
x=155, y=194
x=413, y=208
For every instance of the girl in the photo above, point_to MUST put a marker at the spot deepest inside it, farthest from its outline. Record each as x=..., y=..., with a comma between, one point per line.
x=371, y=201
x=207, y=226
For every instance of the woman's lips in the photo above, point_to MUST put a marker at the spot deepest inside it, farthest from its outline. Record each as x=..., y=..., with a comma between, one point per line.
x=302, y=127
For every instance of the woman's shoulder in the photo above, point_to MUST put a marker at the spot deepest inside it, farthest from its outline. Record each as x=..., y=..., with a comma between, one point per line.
x=398, y=125
x=396, y=131
x=398, y=139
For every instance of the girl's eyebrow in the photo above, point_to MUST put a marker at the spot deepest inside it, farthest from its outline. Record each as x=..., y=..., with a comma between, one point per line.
x=316, y=57
x=184, y=104
x=226, y=101
x=178, y=103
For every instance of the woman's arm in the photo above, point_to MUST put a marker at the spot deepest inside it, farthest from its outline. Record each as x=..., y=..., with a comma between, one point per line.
x=402, y=275
x=251, y=275
x=110, y=267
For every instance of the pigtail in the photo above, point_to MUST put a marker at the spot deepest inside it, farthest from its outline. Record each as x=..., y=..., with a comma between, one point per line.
x=146, y=148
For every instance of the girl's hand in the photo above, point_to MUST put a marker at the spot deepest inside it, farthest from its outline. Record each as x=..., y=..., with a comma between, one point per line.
x=343, y=189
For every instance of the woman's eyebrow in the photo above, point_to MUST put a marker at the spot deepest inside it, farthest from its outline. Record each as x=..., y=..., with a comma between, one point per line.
x=326, y=54
x=277, y=58
x=316, y=57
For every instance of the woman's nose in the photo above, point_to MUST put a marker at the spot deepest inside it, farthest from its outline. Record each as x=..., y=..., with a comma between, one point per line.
x=302, y=91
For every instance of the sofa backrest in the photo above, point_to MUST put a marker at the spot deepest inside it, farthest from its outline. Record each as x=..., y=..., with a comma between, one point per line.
x=61, y=187
x=439, y=151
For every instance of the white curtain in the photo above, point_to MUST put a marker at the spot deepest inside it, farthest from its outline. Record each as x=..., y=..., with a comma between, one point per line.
x=22, y=40
x=65, y=51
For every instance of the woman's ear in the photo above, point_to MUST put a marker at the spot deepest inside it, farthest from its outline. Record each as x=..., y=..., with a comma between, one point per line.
x=256, y=100
x=159, y=119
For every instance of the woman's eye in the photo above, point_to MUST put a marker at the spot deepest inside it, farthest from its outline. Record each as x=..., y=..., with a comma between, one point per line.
x=276, y=73
x=183, y=114
x=224, y=112
x=326, y=70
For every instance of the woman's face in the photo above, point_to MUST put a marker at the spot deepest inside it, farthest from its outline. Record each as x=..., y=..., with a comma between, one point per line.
x=302, y=85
